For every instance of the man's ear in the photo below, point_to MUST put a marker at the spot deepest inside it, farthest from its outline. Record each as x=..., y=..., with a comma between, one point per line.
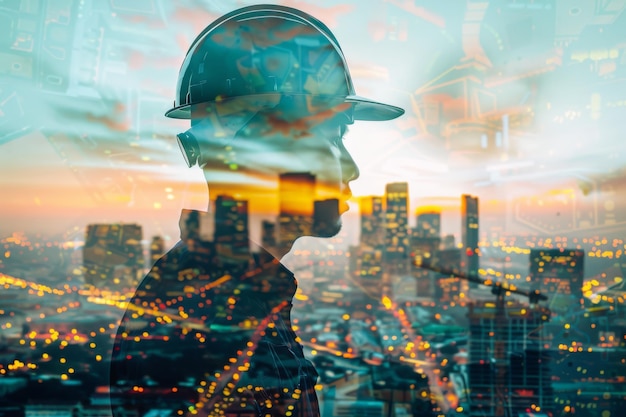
x=189, y=147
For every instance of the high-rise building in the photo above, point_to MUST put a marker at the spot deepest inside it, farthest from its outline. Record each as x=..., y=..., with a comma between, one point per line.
x=396, y=221
x=325, y=217
x=268, y=234
x=509, y=368
x=469, y=234
x=296, y=196
x=558, y=271
x=448, y=242
x=424, y=247
x=428, y=247
x=448, y=288
x=372, y=221
x=231, y=226
x=428, y=223
x=366, y=265
x=196, y=226
x=113, y=256
x=157, y=248
x=424, y=250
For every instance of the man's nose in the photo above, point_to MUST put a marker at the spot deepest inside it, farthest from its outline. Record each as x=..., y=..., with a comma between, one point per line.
x=348, y=167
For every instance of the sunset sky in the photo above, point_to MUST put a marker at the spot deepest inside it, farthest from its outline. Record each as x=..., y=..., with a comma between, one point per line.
x=517, y=102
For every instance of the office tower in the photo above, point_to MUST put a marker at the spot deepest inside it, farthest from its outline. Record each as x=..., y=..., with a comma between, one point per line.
x=231, y=226
x=396, y=221
x=372, y=221
x=113, y=256
x=326, y=217
x=366, y=262
x=448, y=288
x=190, y=225
x=509, y=368
x=296, y=195
x=430, y=251
x=469, y=234
x=268, y=234
x=448, y=242
x=423, y=250
x=557, y=271
x=196, y=226
x=428, y=223
x=157, y=248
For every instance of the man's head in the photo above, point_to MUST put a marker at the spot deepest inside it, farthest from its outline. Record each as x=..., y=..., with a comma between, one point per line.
x=269, y=94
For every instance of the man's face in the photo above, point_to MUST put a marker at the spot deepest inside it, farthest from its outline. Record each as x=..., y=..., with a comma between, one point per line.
x=301, y=164
x=324, y=155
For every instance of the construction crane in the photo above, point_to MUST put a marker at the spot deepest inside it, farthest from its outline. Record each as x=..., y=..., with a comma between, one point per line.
x=500, y=290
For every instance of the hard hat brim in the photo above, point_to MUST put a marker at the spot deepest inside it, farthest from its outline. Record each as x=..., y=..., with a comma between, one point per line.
x=364, y=108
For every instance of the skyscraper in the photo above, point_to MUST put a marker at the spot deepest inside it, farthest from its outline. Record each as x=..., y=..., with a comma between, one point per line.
x=366, y=268
x=325, y=214
x=425, y=241
x=366, y=260
x=396, y=221
x=509, y=369
x=157, y=248
x=296, y=195
x=113, y=255
x=424, y=250
x=231, y=225
x=469, y=234
x=448, y=288
x=268, y=234
x=428, y=222
x=372, y=221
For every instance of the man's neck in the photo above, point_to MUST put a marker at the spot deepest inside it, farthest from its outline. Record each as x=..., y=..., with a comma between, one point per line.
x=200, y=225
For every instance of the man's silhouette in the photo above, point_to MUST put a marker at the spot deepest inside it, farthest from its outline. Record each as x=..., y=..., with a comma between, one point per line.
x=270, y=98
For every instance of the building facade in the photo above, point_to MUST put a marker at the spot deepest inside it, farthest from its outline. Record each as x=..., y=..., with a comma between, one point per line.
x=113, y=256
x=509, y=368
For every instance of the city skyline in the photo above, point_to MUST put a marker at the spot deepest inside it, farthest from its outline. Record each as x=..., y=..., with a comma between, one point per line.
x=498, y=322
x=509, y=157
x=479, y=271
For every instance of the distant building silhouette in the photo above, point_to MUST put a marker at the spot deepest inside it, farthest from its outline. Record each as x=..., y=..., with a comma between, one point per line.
x=231, y=226
x=367, y=267
x=157, y=248
x=113, y=255
x=448, y=288
x=557, y=271
x=396, y=221
x=197, y=226
x=469, y=234
x=296, y=196
x=372, y=221
x=509, y=368
x=448, y=242
x=268, y=234
x=424, y=250
x=323, y=212
x=428, y=247
x=367, y=259
x=428, y=223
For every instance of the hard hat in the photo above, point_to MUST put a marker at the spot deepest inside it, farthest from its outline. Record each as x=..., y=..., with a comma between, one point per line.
x=255, y=56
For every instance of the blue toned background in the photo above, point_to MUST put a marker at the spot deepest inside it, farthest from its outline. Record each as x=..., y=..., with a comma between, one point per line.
x=518, y=102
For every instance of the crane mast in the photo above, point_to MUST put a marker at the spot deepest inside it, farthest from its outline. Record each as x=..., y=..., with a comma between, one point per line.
x=500, y=290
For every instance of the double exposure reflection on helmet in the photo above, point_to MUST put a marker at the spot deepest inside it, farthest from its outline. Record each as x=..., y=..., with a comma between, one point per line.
x=269, y=96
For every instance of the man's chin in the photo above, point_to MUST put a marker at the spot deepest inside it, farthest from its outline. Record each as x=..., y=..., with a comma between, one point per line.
x=328, y=229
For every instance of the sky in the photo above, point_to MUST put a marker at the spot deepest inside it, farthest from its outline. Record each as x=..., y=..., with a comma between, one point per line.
x=516, y=102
